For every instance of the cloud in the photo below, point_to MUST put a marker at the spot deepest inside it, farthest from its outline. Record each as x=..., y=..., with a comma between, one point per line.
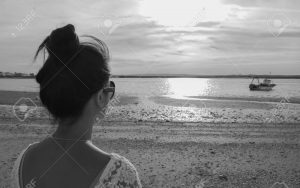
x=139, y=44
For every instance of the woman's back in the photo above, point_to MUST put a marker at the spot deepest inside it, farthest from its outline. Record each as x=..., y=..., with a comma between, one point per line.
x=53, y=163
x=62, y=164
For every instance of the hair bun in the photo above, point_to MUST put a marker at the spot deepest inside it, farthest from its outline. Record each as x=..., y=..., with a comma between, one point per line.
x=63, y=41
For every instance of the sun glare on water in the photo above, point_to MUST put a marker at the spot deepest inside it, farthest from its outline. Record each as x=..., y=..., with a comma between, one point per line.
x=183, y=12
x=182, y=87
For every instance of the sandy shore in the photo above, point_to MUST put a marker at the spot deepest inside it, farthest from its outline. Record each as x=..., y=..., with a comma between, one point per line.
x=169, y=154
x=225, y=143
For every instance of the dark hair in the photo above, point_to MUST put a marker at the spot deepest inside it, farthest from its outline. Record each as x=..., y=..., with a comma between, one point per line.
x=72, y=72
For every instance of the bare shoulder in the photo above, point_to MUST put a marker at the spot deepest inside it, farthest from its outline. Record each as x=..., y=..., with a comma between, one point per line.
x=85, y=160
x=98, y=153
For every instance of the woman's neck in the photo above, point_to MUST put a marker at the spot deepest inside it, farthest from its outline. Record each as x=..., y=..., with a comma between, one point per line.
x=80, y=129
x=66, y=133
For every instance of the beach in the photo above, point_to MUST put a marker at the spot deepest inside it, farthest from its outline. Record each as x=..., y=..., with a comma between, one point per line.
x=224, y=143
x=184, y=154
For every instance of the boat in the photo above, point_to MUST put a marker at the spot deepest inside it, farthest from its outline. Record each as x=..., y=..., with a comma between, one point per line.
x=266, y=85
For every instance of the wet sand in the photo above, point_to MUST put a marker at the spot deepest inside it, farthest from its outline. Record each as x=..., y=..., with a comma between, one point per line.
x=162, y=108
x=11, y=97
x=169, y=154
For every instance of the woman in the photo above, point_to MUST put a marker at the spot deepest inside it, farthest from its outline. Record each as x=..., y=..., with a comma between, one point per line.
x=75, y=88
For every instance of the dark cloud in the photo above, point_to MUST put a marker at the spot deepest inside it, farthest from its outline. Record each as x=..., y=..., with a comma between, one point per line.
x=288, y=4
x=207, y=24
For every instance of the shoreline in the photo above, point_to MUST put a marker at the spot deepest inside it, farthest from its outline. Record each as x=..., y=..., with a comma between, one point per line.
x=161, y=108
x=179, y=76
x=10, y=97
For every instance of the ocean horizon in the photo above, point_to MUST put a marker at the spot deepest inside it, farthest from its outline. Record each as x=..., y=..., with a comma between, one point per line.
x=183, y=88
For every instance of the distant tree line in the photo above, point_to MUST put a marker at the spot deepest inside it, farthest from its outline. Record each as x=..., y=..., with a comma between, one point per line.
x=16, y=75
x=209, y=76
x=32, y=75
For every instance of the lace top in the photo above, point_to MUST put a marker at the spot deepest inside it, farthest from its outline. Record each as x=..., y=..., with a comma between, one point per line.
x=118, y=173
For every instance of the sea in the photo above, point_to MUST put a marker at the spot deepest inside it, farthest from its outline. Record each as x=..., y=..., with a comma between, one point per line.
x=185, y=88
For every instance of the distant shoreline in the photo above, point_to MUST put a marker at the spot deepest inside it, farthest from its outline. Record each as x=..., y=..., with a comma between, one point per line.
x=209, y=76
x=184, y=76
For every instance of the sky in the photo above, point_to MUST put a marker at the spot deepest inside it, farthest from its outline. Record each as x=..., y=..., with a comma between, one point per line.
x=204, y=37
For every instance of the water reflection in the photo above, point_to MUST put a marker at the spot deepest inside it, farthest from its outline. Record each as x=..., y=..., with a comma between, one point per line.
x=181, y=87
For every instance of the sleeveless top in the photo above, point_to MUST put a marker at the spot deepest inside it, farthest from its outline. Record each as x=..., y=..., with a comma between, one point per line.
x=118, y=173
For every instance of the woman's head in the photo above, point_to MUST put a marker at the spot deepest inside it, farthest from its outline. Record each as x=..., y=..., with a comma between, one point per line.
x=73, y=72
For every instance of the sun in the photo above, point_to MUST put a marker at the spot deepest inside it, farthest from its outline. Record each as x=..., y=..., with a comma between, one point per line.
x=183, y=12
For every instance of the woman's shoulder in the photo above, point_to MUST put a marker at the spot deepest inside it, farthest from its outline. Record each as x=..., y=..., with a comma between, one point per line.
x=23, y=151
x=123, y=161
x=122, y=165
x=14, y=177
x=120, y=171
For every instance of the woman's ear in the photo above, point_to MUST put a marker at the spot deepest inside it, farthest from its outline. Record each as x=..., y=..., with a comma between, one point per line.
x=99, y=98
